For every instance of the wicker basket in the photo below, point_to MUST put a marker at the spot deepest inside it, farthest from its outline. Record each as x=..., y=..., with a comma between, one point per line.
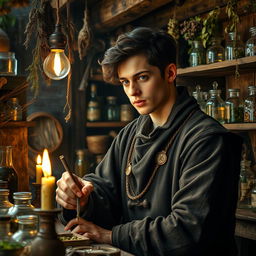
x=98, y=144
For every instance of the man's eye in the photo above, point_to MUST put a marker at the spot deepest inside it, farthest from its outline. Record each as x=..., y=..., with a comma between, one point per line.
x=143, y=77
x=124, y=82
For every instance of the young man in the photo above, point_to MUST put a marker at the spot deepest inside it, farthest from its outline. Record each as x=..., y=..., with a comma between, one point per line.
x=168, y=184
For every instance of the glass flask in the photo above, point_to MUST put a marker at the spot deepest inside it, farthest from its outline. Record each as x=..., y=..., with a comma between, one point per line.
x=112, y=110
x=8, y=64
x=197, y=54
x=22, y=206
x=27, y=229
x=14, y=110
x=216, y=52
x=94, y=108
x=81, y=163
x=234, y=47
x=250, y=46
x=126, y=112
x=250, y=105
x=7, y=172
x=198, y=95
x=245, y=185
x=215, y=106
x=234, y=107
x=5, y=204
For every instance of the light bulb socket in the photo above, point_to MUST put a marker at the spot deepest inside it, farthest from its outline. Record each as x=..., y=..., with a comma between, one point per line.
x=57, y=39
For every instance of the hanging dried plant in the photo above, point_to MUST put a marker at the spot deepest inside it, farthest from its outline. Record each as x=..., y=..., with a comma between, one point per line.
x=233, y=17
x=173, y=28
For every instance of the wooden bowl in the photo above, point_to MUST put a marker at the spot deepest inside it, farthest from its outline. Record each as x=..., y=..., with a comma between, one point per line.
x=98, y=144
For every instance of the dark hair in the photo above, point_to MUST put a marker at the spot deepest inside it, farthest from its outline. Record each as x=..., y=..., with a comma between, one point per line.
x=158, y=47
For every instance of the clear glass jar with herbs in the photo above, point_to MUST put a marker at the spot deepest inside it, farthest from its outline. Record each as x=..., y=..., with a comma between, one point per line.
x=5, y=204
x=112, y=109
x=250, y=105
x=216, y=52
x=234, y=47
x=94, y=106
x=234, y=107
x=196, y=54
x=215, y=106
x=250, y=46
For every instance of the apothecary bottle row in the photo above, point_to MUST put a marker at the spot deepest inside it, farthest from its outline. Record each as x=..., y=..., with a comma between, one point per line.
x=109, y=110
x=231, y=110
x=234, y=48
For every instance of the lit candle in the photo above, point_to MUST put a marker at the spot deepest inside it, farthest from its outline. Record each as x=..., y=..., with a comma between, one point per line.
x=48, y=184
x=38, y=169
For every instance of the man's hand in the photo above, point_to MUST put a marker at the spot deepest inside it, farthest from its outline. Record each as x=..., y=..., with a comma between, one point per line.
x=67, y=191
x=90, y=230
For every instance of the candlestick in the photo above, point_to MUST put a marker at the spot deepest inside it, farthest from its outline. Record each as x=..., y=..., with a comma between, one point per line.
x=48, y=184
x=38, y=169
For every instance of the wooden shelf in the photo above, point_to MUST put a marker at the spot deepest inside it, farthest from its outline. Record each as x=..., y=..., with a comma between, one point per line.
x=105, y=124
x=223, y=68
x=240, y=127
x=13, y=124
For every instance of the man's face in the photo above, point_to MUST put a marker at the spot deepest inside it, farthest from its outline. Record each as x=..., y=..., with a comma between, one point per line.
x=146, y=89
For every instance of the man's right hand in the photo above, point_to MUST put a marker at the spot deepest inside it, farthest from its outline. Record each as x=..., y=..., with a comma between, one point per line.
x=67, y=191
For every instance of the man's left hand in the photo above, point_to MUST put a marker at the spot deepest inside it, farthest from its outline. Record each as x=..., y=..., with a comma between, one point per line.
x=90, y=230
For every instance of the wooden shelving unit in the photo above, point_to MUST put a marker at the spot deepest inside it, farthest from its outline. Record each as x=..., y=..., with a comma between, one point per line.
x=105, y=124
x=241, y=126
x=224, y=68
x=16, y=124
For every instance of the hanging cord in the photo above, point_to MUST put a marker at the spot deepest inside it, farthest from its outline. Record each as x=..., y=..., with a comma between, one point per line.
x=68, y=92
x=57, y=11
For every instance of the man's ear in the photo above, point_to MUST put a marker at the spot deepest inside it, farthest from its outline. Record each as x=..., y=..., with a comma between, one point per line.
x=171, y=72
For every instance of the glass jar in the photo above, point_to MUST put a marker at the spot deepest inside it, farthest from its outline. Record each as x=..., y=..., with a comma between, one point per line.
x=216, y=52
x=7, y=172
x=4, y=201
x=27, y=229
x=94, y=108
x=22, y=206
x=81, y=163
x=250, y=46
x=250, y=105
x=197, y=54
x=198, y=95
x=245, y=184
x=14, y=110
x=112, y=110
x=8, y=64
x=234, y=47
x=215, y=106
x=234, y=107
x=126, y=113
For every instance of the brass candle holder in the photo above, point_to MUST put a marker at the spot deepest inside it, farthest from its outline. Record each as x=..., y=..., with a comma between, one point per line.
x=37, y=196
x=46, y=242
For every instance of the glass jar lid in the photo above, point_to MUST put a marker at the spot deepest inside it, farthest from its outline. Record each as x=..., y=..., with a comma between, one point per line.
x=27, y=219
x=22, y=195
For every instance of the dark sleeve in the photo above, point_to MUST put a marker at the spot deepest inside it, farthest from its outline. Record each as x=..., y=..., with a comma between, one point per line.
x=104, y=202
x=204, y=205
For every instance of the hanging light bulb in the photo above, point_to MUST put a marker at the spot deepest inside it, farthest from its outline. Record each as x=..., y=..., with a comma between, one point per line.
x=56, y=65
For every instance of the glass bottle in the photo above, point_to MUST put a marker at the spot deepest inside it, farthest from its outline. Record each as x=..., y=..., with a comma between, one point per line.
x=250, y=105
x=126, y=112
x=112, y=110
x=234, y=107
x=253, y=196
x=197, y=54
x=27, y=229
x=7, y=172
x=94, y=109
x=234, y=47
x=14, y=110
x=216, y=52
x=22, y=206
x=4, y=201
x=245, y=184
x=81, y=163
x=215, y=106
x=250, y=46
x=8, y=64
x=198, y=95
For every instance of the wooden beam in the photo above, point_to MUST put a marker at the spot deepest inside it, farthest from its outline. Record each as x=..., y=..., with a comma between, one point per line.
x=109, y=14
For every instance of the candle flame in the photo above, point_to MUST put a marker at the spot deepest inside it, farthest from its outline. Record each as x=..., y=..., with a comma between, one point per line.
x=38, y=160
x=46, y=165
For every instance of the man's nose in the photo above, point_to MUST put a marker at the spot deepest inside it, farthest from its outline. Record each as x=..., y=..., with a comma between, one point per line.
x=134, y=89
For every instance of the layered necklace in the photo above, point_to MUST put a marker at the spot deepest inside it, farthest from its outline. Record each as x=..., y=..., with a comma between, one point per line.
x=161, y=159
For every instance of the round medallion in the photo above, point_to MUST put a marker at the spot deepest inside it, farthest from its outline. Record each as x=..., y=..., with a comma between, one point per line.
x=128, y=170
x=161, y=158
